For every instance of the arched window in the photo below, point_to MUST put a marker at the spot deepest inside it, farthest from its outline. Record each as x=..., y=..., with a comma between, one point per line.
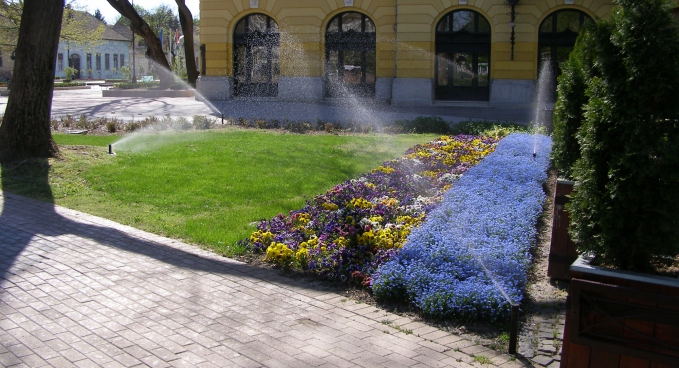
x=556, y=38
x=74, y=62
x=256, y=58
x=350, y=61
x=463, y=57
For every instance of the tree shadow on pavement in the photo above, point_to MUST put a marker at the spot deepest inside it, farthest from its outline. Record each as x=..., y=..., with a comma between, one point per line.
x=25, y=221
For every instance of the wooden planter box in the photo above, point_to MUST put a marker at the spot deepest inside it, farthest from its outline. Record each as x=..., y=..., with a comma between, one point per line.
x=620, y=319
x=562, y=249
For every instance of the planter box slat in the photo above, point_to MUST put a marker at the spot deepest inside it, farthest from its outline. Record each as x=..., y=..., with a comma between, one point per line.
x=632, y=362
x=579, y=357
x=603, y=359
x=562, y=250
x=621, y=318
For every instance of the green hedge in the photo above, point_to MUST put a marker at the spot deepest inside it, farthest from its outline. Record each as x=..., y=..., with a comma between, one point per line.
x=626, y=208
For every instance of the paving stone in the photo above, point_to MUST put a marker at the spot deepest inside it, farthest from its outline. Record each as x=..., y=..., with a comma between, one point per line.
x=542, y=360
x=110, y=295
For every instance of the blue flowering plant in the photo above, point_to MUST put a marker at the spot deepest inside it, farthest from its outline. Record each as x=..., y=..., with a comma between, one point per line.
x=470, y=258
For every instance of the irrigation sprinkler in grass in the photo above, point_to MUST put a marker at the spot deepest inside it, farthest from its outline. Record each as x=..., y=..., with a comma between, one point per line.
x=110, y=150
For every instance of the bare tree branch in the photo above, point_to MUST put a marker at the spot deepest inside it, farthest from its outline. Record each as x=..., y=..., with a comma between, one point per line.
x=186, y=20
x=154, y=49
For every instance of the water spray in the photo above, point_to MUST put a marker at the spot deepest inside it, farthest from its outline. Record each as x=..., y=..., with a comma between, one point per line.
x=514, y=306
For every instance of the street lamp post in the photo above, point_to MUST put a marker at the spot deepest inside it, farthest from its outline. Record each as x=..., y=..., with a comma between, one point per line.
x=512, y=20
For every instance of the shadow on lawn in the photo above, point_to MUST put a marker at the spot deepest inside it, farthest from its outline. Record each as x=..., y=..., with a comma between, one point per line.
x=24, y=221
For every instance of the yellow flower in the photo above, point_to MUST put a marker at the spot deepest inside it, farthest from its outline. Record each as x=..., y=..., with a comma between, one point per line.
x=385, y=169
x=430, y=174
x=264, y=238
x=361, y=203
x=330, y=206
x=341, y=242
x=391, y=202
x=302, y=218
x=302, y=256
x=279, y=253
x=367, y=238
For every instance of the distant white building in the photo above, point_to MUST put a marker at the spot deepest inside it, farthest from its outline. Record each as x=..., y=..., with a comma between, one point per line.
x=100, y=62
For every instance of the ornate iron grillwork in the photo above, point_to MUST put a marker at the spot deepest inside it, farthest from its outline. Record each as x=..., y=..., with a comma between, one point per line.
x=350, y=56
x=256, y=56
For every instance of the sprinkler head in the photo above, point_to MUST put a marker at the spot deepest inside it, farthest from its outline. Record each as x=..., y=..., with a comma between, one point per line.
x=535, y=155
x=110, y=149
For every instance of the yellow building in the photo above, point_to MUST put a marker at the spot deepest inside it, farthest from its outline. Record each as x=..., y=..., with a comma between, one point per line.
x=404, y=52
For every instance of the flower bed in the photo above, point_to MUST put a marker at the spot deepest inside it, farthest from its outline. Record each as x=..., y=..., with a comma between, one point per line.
x=477, y=241
x=349, y=231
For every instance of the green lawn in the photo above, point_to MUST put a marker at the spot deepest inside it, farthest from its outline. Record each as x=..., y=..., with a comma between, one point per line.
x=204, y=187
x=88, y=140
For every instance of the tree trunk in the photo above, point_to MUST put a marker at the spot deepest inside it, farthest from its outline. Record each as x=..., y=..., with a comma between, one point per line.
x=25, y=131
x=186, y=20
x=154, y=50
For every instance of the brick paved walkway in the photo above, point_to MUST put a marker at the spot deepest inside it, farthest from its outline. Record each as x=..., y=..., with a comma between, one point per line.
x=78, y=290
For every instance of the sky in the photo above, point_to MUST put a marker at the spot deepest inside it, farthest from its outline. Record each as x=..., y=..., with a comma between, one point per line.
x=111, y=15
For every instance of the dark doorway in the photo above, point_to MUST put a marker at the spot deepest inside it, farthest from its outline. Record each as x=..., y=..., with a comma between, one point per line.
x=556, y=39
x=74, y=62
x=350, y=56
x=256, y=57
x=463, y=57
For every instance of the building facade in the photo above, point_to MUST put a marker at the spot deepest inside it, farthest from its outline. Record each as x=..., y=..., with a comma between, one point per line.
x=404, y=52
x=102, y=61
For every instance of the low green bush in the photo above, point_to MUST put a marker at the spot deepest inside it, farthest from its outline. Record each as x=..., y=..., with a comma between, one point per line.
x=299, y=127
x=182, y=123
x=436, y=125
x=202, y=122
x=70, y=84
x=424, y=124
x=70, y=72
x=488, y=128
x=138, y=85
x=111, y=127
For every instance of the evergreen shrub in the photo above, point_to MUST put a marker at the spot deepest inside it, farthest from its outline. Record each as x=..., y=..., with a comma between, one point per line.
x=569, y=107
x=626, y=208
